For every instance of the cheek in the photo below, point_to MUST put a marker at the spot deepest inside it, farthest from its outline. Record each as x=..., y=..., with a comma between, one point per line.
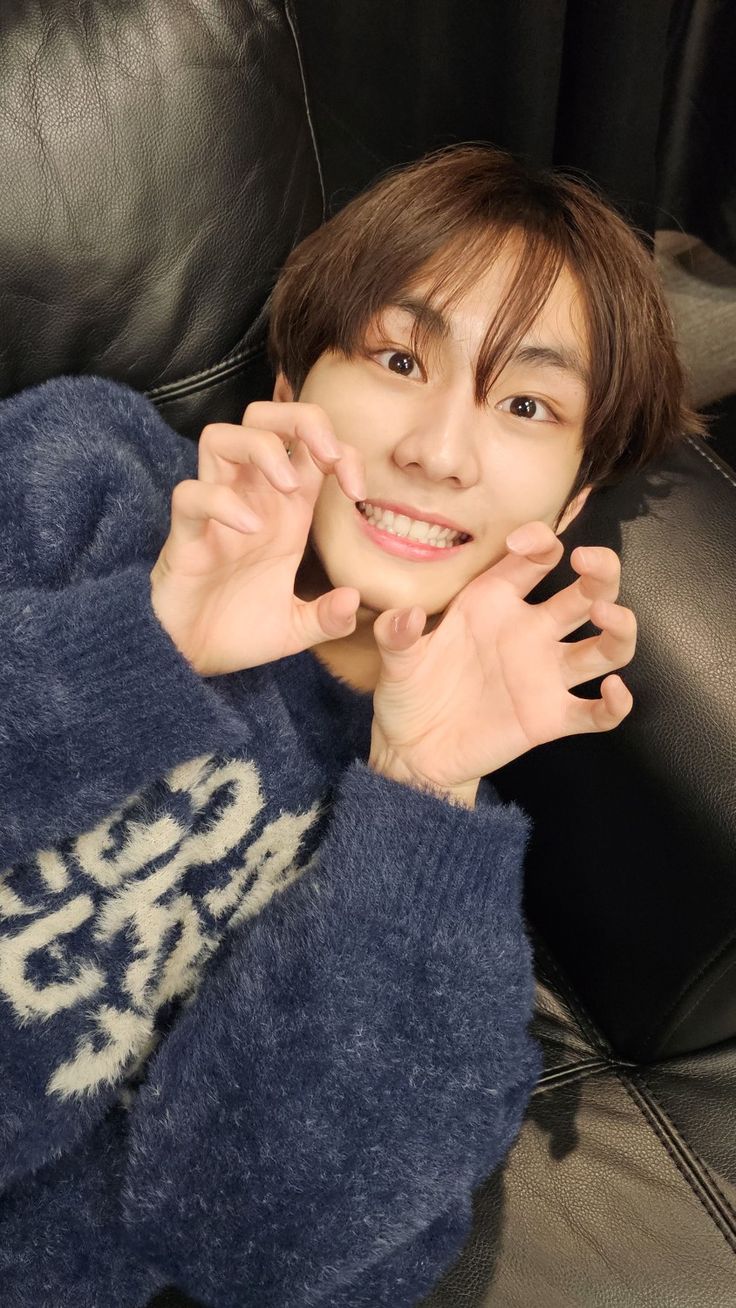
x=530, y=483
x=330, y=505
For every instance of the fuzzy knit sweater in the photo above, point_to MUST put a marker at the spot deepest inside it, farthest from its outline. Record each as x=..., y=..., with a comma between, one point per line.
x=263, y=1012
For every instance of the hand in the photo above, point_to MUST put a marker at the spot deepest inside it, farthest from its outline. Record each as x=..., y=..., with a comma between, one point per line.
x=493, y=679
x=223, y=584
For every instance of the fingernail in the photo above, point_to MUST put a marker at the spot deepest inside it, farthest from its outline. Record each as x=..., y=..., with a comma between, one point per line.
x=401, y=622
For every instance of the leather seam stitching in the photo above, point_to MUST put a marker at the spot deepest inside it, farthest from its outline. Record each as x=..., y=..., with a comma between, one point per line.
x=559, y=1078
x=686, y=1160
x=290, y=18
x=705, y=454
x=173, y=390
x=642, y=1081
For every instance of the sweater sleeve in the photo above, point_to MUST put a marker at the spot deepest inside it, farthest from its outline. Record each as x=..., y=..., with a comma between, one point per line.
x=357, y=1064
x=95, y=698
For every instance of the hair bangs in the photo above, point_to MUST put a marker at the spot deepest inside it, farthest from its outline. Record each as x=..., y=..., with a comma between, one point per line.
x=537, y=260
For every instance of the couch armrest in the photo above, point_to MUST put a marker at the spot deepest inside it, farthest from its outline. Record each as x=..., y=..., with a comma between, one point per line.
x=630, y=870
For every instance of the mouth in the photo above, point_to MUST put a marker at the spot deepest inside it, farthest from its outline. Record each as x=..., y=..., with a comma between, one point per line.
x=434, y=531
x=413, y=538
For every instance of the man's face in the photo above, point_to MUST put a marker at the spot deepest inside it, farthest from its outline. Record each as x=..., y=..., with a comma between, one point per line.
x=427, y=448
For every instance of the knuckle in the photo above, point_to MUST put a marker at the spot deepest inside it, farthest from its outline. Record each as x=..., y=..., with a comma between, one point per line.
x=190, y=495
x=256, y=411
x=315, y=411
x=607, y=560
x=269, y=443
x=625, y=615
x=315, y=416
x=209, y=433
x=182, y=491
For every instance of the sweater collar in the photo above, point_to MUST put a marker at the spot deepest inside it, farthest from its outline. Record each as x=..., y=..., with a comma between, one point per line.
x=334, y=715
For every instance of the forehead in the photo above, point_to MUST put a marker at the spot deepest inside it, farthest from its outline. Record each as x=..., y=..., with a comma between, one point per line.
x=557, y=335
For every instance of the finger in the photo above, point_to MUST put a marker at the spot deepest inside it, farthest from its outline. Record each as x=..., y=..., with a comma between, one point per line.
x=599, y=579
x=226, y=451
x=350, y=473
x=525, y=565
x=602, y=714
x=295, y=420
x=348, y=469
x=195, y=503
x=301, y=421
x=328, y=618
x=613, y=648
x=396, y=633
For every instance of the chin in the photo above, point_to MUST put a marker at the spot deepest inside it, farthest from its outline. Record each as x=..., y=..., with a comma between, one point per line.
x=376, y=601
x=377, y=593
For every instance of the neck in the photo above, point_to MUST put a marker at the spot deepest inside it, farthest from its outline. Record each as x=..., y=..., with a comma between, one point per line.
x=354, y=658
x=357, y=662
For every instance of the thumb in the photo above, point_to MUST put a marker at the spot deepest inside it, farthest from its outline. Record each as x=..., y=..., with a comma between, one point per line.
x=331, y=616
x=396, y=632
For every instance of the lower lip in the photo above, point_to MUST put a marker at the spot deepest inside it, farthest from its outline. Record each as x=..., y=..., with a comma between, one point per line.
x=406, y=549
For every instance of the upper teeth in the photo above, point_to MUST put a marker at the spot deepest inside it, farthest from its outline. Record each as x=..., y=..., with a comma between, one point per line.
x=398, y=524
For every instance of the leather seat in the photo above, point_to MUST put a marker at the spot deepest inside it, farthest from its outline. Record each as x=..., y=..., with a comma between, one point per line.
x=159, y=163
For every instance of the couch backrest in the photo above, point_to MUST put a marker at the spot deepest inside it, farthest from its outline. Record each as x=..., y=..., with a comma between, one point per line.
x=158, y=165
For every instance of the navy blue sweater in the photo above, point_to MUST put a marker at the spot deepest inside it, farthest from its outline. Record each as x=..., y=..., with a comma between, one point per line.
x=264, y=1013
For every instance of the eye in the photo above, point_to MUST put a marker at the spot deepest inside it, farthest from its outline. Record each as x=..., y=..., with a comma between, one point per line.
x=413, y=370
x=525, y=406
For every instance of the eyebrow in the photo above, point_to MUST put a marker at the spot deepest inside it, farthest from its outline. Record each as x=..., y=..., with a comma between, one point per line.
x=556, y=356
x=551, y=356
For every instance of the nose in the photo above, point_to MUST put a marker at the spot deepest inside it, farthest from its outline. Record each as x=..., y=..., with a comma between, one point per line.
x=441, y=445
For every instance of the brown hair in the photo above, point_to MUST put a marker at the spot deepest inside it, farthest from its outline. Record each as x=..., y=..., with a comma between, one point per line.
x=449, y=214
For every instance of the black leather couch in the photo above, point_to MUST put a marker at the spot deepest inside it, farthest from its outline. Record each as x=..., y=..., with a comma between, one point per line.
x=158, y=163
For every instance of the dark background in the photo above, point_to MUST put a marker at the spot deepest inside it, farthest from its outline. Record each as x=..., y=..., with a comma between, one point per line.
x=636, y=95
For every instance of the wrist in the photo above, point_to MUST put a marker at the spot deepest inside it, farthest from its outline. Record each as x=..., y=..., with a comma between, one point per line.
x=159, y=612
x=463, y=795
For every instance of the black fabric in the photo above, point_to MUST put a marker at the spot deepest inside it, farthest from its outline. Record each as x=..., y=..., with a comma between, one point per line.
x=636, y=96
x=697, y=153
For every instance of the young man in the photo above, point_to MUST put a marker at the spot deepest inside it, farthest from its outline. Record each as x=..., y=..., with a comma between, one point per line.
x=265, y=983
